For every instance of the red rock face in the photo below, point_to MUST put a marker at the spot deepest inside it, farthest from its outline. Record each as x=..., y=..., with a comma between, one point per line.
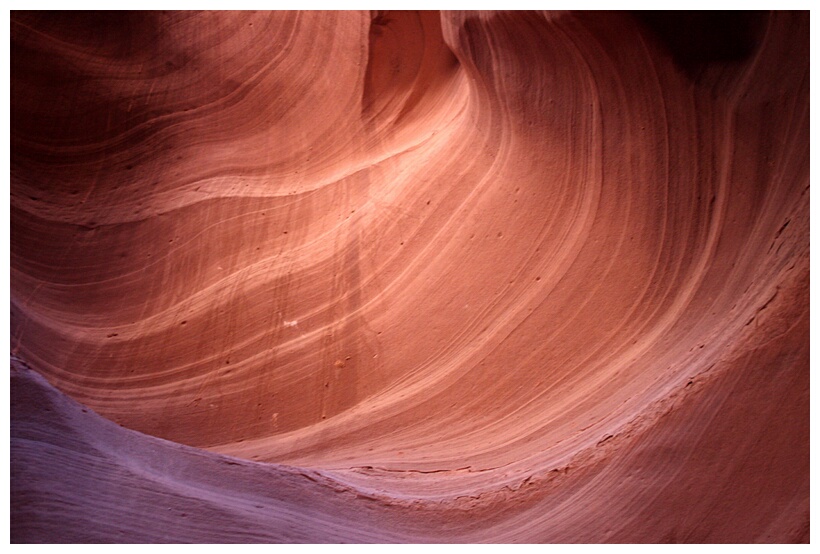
x=455, y=277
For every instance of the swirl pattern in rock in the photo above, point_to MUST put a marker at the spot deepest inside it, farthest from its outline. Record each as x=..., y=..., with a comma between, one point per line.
x=432, y=276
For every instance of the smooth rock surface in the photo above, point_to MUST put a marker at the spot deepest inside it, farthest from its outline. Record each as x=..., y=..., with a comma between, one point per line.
x=400, y=277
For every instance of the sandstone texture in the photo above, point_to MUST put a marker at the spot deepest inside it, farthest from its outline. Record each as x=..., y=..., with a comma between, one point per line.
x=409, y=277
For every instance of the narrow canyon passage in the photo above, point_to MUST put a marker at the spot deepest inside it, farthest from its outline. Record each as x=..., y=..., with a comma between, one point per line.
x=409, y=277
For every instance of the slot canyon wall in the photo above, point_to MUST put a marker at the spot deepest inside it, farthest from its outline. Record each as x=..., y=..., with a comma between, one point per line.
x=409, y=277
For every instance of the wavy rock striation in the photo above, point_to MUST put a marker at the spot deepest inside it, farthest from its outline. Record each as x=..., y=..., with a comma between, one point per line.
x=410, y=277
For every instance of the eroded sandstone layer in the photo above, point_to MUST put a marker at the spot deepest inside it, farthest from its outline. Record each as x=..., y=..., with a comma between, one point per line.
x=349, y=276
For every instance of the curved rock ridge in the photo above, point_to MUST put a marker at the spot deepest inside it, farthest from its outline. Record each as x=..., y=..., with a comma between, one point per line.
x=410, y=277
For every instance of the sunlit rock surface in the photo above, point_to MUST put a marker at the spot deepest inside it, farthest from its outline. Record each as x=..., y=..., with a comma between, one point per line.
x=376, y=277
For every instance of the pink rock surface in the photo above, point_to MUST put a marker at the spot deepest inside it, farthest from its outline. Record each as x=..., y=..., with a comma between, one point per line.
x=401, y=277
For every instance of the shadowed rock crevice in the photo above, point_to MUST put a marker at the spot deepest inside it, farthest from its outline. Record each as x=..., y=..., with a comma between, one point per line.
x=698, y=38
x=407, y=61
